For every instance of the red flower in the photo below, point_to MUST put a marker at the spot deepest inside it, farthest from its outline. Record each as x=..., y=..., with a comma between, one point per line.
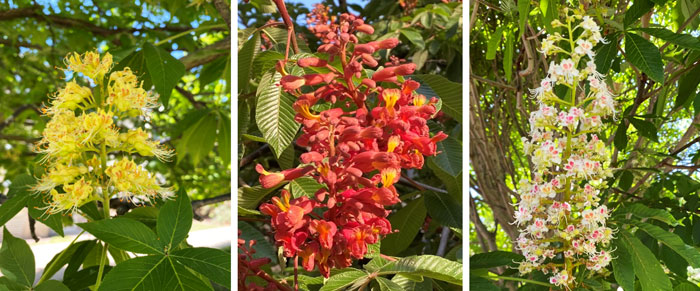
x=325, y=230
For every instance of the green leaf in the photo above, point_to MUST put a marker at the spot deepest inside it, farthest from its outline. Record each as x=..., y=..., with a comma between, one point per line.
x=213, y=263
x=687, y=86
x=549, y=11
x=18, y=196
x=387, y=285
x=523, y=11
x=621, y=136
x=450, y=157
x=672, y=241
x=164, y=70
x=246, y=55
x=622, y=266
x=35, y=206
x=250, y=197
x=126, y=234
x=409, y=220
x=304, y=186
x=198, y=140
x=224, y=138
x=51, y=285
x=645, y=128
x=263, y=248
x=428, y=266
x=136, y=61
x=286, y=158
x=413, y=36
x=408, y=284
x=274, y=113
x=449, y=92
x=638, y=8
x=245, y=212
x=646, y=267
x=152, y=273
x=63, y=258
x=145, y=215
x=645, y=56
x=16, y=259
x=679, y=39
x=444, y=209
x=214, y=71
x=686, y=287
x=342, y=280
x=642, y=211
x=493, y=259
x=508, y=55
x=494, y=42
x=175, y=220
x=605, y=54
x=481, y=283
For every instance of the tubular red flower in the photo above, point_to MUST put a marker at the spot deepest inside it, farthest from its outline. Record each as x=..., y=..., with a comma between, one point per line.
x=290, y=83
x=311, y=62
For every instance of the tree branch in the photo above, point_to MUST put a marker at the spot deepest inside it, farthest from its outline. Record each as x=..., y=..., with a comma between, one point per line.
x=224, y=10
x=205, y=55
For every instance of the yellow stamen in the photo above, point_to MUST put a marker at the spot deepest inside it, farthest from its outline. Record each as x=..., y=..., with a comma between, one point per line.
x=393, y=142
x=304, y=110
x=390, y=97
x=419, y=100
x=388, y=177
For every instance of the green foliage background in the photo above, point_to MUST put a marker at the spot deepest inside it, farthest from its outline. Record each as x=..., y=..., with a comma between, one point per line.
x=651, y=62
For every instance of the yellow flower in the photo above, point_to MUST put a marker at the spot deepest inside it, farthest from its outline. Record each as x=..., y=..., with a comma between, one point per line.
x=75, y=195
x=128, y=178
x=126, y=95
x=70, y=96
x=89, y=64
x=138, y=140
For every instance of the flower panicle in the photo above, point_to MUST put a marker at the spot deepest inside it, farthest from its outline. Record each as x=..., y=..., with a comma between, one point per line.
x=560, y=214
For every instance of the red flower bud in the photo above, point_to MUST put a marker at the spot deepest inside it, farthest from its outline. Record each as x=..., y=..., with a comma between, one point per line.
x=290, y=83
x=366, y=28
x=369, y=83
x=384, y=74
x=368, y=60
x=311, y=62
x=388, y=43
x=405, y=69
x=364, y=49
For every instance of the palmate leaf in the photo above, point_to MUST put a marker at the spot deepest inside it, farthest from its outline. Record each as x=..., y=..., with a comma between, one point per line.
x=246, y=55
x=18, y=196
x=263, y=248
x=679, y=39
x=198, y=140
x=622, y=266
x=304, y=186
x=274, y=113
x=64, y=257
x=408, y=284
x=35, y=206
x=409, y=220
x=126, y=234
x=428, y=266
x=51, y=285
x=16, y=260
x=493, y=259
x=224, y=138
x=645, y=56
x=250, y=197
x=388, y=285
x=642, y=211
x=449, y=92
x=155, y=272
x=646, y=267
x=175, y=220
x=214, y=263
x=671, y=240
x=164, y=70
x=444, y=209
x=344, y=279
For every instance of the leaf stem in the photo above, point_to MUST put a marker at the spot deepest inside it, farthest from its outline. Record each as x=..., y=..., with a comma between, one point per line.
x=518, y=279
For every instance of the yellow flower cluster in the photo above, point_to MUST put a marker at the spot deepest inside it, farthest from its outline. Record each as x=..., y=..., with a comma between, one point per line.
x=128, y=178
x=83, y=131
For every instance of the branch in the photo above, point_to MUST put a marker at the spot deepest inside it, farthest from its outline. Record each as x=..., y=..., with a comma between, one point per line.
x=19, y=44
x=288, y=22
x=420, y=186
x=34, y=12
x=252, y=156
x=190, y=97
x=14, y=115
x=123, y=205
x=205, y=55
x=224, y=10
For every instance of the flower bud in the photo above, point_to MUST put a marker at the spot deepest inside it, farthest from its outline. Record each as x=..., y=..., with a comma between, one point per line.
x=290, y=82
x=311, y=62
x=366, y=28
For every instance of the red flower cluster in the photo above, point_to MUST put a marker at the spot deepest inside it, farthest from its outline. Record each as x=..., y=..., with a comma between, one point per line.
x=356, y=152
x=250, y=267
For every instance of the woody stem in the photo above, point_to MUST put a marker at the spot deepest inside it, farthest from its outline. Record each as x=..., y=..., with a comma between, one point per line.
x=296, y=272
x=290, y=26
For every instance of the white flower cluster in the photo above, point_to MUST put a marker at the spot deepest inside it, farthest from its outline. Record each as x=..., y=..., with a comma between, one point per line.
x=562, y=222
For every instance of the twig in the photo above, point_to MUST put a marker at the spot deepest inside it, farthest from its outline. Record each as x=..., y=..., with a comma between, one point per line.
x=288, y=22
x=252, y=156
x=224, y=10
x=444, y=236
x=420, y=186
x=190, y=97
x=32, y=228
